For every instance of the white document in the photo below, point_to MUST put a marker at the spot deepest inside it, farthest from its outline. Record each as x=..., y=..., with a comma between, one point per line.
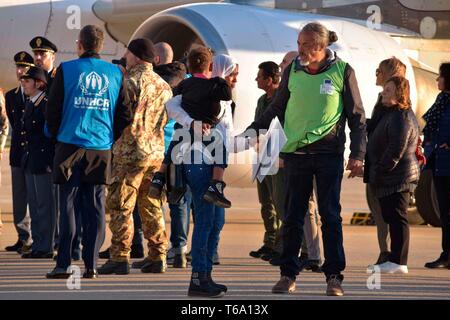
x=270, y=146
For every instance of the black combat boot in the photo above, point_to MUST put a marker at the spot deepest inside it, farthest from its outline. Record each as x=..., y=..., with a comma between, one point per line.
x=159, y=266
x=113, y=267
x=201, y=286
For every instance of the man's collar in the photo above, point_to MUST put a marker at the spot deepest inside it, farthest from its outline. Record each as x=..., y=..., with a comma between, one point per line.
x=90, y=54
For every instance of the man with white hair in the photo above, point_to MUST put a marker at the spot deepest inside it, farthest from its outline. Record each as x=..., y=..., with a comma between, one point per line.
x=315, y=118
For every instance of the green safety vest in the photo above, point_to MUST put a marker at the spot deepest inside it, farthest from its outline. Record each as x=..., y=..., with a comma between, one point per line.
x=314, y=107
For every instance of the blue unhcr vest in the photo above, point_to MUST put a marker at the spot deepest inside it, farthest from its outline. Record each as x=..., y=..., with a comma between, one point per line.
x=91, y=90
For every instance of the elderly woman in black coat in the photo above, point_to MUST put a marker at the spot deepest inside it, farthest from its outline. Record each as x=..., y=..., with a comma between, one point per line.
x=394, y=169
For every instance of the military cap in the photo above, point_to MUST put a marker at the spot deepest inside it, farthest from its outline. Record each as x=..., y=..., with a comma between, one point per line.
x=35, y=73
x=23, y=58
x=42, y=44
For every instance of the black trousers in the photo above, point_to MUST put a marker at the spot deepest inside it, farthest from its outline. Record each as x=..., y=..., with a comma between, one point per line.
x=442, y=187
x=394, y=210
x=300, y=170
x=88, y=200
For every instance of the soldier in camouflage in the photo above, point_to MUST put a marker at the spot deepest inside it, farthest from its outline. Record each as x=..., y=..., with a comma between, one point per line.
x=136, y=156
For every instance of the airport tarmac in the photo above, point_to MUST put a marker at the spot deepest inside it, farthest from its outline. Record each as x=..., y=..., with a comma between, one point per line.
x=246, y=277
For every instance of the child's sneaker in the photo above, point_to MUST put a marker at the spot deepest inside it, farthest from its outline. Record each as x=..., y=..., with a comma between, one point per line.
x=157, y=185
x=215, y=195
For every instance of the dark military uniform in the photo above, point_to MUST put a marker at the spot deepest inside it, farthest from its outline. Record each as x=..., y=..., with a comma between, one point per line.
x=43, y=44
x=15, y=108
x=37, y=162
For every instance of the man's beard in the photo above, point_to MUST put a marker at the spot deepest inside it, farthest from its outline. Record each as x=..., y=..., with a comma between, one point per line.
x=303, y=63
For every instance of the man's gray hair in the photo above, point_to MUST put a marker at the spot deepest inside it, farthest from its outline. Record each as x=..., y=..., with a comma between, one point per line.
x=322, y=35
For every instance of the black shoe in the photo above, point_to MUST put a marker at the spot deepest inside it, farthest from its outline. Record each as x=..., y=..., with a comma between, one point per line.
x=104, y=254
x=215, y=195
x=383, y=257
x=15, y=247
x=113, y=267
x=439, y=263
x=217, y=285
x=154, y=267
x=180, y=261
x=157, y=185
x=313, y=265
x=58, y=273
x=176, y=194
x=137, y=251
x=201, y=286
x=90, y=274
x=258, y=253
x=269, y=256
x=38, y=255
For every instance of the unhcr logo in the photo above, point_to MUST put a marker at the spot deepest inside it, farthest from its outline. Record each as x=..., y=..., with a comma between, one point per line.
x=93, y=84
x=93, y=87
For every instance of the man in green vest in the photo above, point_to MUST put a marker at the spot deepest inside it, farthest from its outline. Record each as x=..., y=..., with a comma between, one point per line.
x=317, y=96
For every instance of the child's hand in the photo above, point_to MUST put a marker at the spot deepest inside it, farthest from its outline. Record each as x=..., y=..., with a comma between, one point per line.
x=201, y=128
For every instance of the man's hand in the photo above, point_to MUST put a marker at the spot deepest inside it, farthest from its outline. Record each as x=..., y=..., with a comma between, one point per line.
x=356, y=168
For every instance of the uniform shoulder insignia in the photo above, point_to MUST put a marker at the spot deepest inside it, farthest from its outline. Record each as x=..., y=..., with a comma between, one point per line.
x=38, y=101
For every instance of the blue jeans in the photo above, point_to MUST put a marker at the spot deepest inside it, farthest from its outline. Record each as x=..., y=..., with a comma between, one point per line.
x=179, y=225
x=209, y=219
x=328, y=169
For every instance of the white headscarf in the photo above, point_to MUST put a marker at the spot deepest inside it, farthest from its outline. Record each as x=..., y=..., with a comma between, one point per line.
x=223, y=66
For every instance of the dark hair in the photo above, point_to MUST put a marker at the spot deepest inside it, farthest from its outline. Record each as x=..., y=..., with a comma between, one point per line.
x=91, y=38
x=444, y=72
x=271, y=70
x=402, y=91
x=199, y=59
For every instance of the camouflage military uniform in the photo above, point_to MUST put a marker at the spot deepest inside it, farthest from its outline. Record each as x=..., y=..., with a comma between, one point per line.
x=136, y=156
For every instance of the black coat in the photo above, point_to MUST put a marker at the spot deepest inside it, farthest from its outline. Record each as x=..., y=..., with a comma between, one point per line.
x=391, y=149
x=15, y=107
x=39, y=150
